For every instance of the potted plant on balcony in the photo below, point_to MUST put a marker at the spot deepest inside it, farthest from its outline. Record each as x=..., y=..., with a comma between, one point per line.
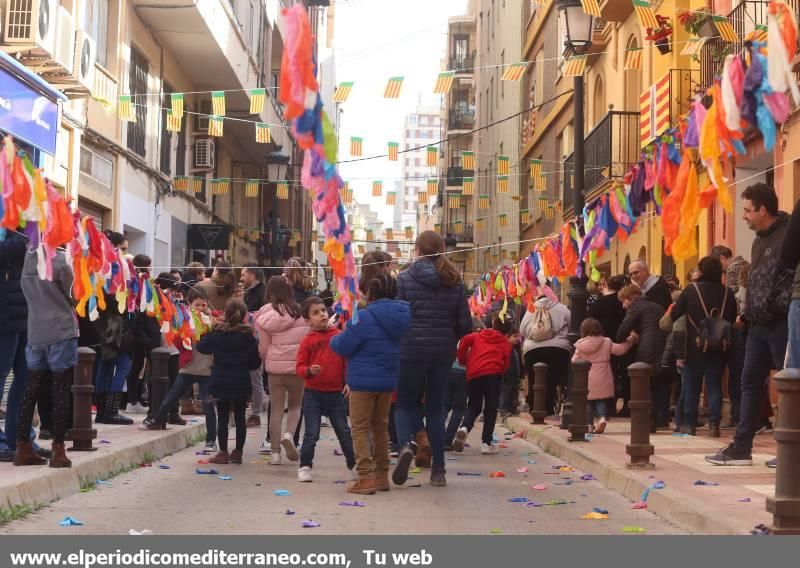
x=661, y=34
x=698, y=23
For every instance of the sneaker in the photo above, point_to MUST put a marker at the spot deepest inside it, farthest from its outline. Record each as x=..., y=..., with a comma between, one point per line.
x=265, y=448
x=275, y=459
x=400, y=473
x=287, y=443
x=461, y=438
x=488, y=449
x=772, y=464
x=731, y=455
x=601, y=426
x=304, y=474
x=354, y=474
x=437, y=476
x=210, y=447
x=765, y=429
x=135, y=409
x=176, y=419
x=394, y=454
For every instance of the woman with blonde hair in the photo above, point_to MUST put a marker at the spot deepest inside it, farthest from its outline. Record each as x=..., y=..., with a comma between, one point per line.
x=296, y=271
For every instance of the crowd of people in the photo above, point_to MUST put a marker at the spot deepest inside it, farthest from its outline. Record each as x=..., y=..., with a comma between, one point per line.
x=388, y=380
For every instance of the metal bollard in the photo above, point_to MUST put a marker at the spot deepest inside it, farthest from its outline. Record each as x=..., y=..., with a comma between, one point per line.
x=82, y=433
x=159, y=379
x=539, y=410
x=785, y=506
x=640, y=449
x=579, y=426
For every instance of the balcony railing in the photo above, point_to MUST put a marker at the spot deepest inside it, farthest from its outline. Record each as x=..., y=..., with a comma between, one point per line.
x=458, y=120
x=610, y=149
x=455, y=176
x=464, y=236
x=462, y=63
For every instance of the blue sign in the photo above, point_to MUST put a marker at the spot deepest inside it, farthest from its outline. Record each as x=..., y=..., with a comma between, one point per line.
x=26, y=114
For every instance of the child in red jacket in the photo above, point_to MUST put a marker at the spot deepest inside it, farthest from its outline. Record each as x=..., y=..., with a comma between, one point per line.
x=323, y=372
x=487, y=355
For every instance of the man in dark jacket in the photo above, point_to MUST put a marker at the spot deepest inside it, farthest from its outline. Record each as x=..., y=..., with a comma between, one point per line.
x=769, y=292
x=653, y=287
x=790, y=259
x=254, y=288
x=13, y=339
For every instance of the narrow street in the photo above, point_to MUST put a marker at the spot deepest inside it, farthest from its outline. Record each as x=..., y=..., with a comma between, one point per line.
x=179, y=501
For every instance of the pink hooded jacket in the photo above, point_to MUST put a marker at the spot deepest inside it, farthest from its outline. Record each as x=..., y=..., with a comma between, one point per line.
x=279, y=338
x=598, y=351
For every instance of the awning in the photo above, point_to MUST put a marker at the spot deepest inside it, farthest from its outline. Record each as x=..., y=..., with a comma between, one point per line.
x=30, y=77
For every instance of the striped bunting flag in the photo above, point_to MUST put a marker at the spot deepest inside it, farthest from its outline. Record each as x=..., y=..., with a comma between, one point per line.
x=422, y=197
x=433, y=187
x=759, y=34
x=443, y=83
x=196, y=184
x=480, y=223
x=409, y=233
x=431, y=156
x=502, y=165
x=503, y=220
x=343, y=91
x=296, y=236
x=180, y=183
x=176, y=104
x=469, y=186
x=125, y=108
x=377, y=188
x=514, y=256
x=251, y=188
x=394, y=151
x=574, y=66
x=645, y=13
x=525, y=216
x=549, y=213
x=483, y=201
x=282, y=190
x=215, y=124
x=454, y=201
x=726, y=31
x=356, y=146
x=263, y=135
x=633, y=58
x=542, y=204
x=220, y=186
x=389, y=234
x=503, y=254
x=391, y=197
x=458, y=226
x=173, y=121
x=218, y=102
x=437, y=227
x=693, y=46
x=257, y=99
x=514, y=72
x=536, y=169
x=591, y=7
x=502, y=184
x=370, y=235
x=392, y=90
x=468, y=160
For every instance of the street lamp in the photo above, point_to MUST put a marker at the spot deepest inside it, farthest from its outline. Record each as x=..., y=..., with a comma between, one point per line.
x=578, y=26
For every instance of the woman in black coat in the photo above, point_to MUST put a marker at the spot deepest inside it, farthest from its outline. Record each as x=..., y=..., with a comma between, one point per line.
x=439, y=318
x=708, y=291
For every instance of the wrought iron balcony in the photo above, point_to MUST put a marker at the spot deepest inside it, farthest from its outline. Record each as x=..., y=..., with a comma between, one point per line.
x=459, y=120
x=462, y=64
x=461, y=237
x=610, y=149
x=455, y=176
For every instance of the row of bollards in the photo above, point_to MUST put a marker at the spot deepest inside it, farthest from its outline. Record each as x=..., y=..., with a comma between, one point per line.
x=82, y=432
x=785, y=506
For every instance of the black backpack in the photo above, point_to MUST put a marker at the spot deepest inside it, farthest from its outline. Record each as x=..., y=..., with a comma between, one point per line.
x=715, y=332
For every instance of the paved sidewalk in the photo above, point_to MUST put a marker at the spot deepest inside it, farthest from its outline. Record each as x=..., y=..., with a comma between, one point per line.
x=678, y=463
x=119, y=448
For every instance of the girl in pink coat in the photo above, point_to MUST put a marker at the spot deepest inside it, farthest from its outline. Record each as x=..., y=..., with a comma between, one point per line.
x=597, y=350
x=281, y=328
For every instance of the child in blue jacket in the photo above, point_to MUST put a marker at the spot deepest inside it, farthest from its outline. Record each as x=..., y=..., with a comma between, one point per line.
x=372, y=350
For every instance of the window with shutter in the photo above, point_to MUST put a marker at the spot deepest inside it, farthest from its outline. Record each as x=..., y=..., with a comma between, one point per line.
x=137, y=131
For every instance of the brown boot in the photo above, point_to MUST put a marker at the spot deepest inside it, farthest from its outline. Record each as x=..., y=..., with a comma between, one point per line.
x=364, y=486
x=382, y=481
x=424, y=453
x=59, y=457
x=220, y=458
x=236, y=456
x=26, y=456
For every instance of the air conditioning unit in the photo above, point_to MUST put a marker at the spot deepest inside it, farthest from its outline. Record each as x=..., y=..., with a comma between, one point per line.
x=85, y=56
x=204, y=153
x=31, y=24
x=201, y=119
x=64, y=53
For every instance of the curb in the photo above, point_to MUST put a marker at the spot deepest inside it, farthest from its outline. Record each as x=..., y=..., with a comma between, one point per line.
x=666, y=503
x=47, y=485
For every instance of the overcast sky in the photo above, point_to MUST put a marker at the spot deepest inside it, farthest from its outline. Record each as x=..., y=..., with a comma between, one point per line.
x=375, y=40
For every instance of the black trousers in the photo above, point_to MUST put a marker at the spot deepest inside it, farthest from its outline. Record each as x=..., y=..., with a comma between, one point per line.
x=557, y=361
x=224, y=408
x=59, y=384
x=484, y=394
x=138, y=359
